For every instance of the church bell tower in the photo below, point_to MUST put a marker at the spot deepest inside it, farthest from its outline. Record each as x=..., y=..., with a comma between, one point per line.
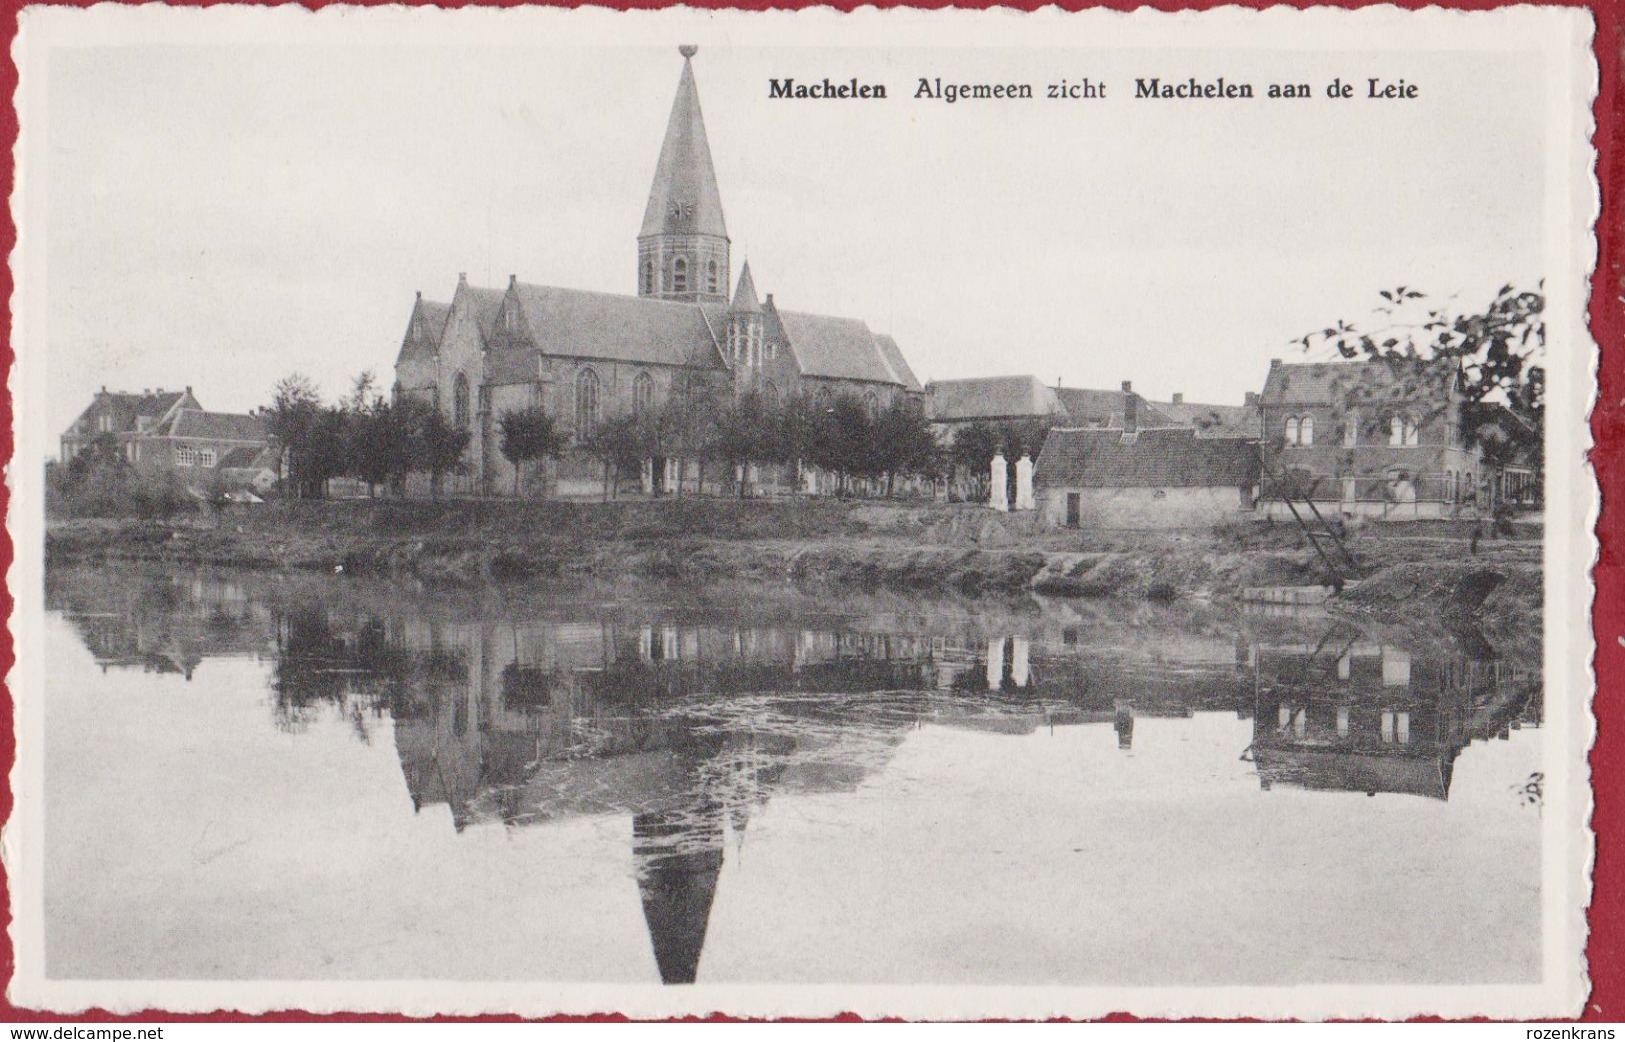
x=683, y=245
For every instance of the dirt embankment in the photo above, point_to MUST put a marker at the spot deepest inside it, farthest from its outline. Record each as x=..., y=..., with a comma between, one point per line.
x=1497, y=601
x=815, y=542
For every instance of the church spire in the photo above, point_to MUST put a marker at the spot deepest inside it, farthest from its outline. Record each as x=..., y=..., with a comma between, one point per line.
x=745, y=298
x=683, y=244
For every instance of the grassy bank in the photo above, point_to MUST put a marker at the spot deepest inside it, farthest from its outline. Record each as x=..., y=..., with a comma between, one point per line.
x=927, y=547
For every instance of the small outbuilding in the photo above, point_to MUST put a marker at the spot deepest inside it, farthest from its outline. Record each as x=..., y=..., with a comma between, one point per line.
x=1162, y=478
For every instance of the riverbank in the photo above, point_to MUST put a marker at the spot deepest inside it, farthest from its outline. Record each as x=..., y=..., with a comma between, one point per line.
x=1416, y=569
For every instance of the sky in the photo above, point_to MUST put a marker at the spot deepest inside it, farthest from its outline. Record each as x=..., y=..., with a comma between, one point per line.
x=218, y=216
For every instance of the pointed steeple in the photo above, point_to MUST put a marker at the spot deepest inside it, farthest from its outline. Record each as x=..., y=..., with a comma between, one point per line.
x=745, y=296
x=683, y=243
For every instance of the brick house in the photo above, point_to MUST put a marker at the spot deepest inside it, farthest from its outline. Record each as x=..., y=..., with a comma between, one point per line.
x=586, y=356
x=169, y=431
x=130, y=418
x=1370, y=439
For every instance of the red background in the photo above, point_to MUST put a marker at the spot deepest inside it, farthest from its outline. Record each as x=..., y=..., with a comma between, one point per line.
x=1606, y=948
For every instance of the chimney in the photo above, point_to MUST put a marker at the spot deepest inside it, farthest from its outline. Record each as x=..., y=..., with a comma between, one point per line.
x=1252, y=399
x=188, y=388
x=1179, y=399
x=769, y=301
x=420, y=295
x=462, y=278
x=1131, y=409
x=1128, y=386
x=1275, y=363
x=512, y=279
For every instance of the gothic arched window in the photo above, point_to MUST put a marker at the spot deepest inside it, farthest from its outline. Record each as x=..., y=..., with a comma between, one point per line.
x=823, y=399
x=1291, y=430
x=643, y=394
x=586, y=402
x=679, y=276
x=711, y=277
x=459, y=401
x=1306, y=431
x=770, y=391
x=871, y=404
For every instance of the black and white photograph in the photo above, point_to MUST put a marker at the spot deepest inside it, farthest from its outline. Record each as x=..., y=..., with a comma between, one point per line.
x=934, y=514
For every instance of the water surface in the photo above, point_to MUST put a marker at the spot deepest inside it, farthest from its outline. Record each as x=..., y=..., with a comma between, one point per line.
x=253, y=777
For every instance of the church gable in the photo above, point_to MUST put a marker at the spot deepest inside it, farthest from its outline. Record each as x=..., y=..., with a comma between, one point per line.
x=424, y=329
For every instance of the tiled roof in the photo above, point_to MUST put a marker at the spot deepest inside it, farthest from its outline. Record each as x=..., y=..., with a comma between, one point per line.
x=240, y=458
x=1324, y=383
x=684, y=175
x=125, y=409
x=1163, y=458
x=1214, y=421
x=218, y=426
x=582, y=323
x=1087, y=407
x=899, y=365
x=837, y=348
x=990, y=398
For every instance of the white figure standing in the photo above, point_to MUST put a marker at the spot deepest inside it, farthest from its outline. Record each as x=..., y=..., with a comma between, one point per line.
x=1024, y=483
x=998, y=494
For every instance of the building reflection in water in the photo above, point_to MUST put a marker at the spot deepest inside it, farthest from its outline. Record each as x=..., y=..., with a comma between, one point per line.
x=1347, y=713
x=687, y=728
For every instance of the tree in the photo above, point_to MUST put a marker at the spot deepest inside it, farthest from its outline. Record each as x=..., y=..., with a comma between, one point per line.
x=795, y=429
x=973, y=447
x=688, y=419
x=843, y=441
x=907, y=445
x=744, y=434
x=619, y=443
x=1493, y=356
x=294, y=420
x=437, y=445
x=530, y=434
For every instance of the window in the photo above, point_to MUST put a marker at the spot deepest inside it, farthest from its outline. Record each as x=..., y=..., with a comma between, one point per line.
x=648, y=277
x=1291, y=430
x=104, y=423
x=770, y=391
x=643, y=394
x=586, y=402
x=1402, y=431
x=185, y=456
x=823, y=399
x=772, y=350
x=1306, y=431
x=679, y=276
x=417, y=327
x=1351, y=430
x=510, y=317
x=871, y=404
x=459, y=401
x=711, y=277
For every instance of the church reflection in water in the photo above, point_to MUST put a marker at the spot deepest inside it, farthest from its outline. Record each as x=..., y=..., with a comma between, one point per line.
x=687, y=723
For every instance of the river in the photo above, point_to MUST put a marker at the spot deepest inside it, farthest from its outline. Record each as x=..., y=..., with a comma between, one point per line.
x=259, y=776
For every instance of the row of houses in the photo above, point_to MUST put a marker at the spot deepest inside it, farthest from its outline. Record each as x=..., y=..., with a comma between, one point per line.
x=1358, y=439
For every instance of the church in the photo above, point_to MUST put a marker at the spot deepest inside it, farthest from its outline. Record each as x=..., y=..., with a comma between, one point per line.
x=585, y=356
